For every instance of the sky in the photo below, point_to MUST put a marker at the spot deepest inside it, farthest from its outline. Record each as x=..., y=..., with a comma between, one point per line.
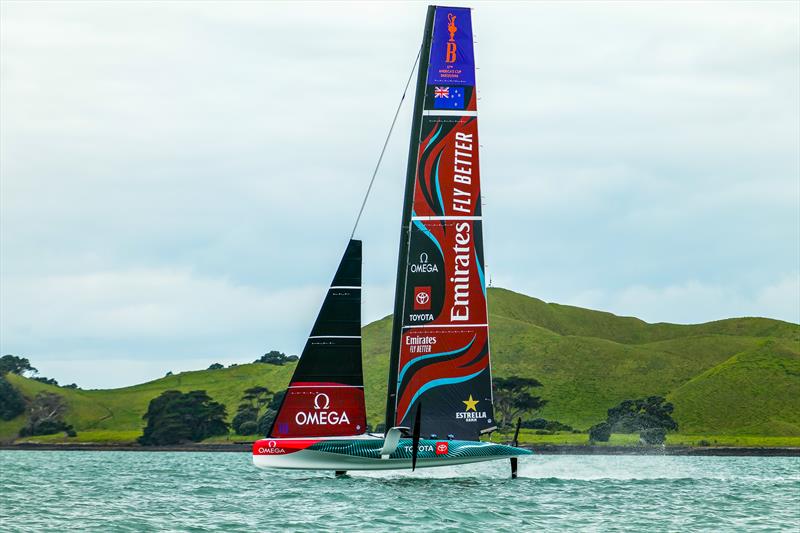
x=178, y=180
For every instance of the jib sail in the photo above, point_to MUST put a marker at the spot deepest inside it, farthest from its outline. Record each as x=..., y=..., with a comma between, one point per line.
x=440, y=343
x=326, y=394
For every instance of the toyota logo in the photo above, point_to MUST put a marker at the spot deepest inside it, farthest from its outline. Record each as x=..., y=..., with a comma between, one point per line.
x=317, y=401
x=422, y=298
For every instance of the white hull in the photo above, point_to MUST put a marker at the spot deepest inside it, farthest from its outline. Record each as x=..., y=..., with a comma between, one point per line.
x=363, y=453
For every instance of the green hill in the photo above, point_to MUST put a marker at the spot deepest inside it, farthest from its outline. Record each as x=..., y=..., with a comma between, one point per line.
x=738, y=376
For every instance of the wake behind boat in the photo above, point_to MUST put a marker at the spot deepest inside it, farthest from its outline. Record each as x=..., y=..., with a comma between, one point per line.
x=439, y=399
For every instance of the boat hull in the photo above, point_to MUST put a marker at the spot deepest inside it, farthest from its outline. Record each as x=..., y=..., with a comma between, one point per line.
x=365, y=453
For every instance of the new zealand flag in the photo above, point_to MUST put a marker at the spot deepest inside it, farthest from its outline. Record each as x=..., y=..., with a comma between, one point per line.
x=448, y=97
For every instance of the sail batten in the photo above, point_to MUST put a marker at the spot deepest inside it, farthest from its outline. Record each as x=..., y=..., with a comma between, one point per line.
x=440, y=343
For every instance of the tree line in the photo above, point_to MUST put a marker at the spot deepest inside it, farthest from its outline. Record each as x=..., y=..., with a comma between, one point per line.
x=174, y=416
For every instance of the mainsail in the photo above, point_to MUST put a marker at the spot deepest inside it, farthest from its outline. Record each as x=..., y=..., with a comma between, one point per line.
x=440, y=341
x=326, y=394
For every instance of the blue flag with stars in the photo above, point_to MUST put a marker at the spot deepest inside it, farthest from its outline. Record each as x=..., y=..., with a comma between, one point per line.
x=448, y=97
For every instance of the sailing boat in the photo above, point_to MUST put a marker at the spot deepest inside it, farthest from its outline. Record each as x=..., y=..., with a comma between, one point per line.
x=439, y=399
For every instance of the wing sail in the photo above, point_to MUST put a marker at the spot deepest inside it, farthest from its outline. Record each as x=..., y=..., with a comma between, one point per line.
x=441, y=341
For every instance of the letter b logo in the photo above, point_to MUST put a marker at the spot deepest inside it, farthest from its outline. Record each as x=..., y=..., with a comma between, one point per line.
x=450, y=55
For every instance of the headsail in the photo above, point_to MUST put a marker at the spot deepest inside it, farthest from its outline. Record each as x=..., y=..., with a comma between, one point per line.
x=440, y=351
x=326, y=393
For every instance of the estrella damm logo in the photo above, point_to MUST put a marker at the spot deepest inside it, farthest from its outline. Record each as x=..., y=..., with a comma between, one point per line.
x=470, y=412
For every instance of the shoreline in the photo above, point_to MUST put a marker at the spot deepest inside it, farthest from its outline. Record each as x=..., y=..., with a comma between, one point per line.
x=544, y=449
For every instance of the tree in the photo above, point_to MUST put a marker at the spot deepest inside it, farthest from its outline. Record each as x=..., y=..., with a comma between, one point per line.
x=216, y=366
x=631, y=416
x=255, y=404
x=274, y=357
x=277, y=400
x=600, y=432
x=174, y=417
x=245, y=415
x=248, y=428
x=45, y=416
x=12, y=404
x=651, y=417
x=15, y=365
x=265, y=421
x=47, y=381
x=512, y=398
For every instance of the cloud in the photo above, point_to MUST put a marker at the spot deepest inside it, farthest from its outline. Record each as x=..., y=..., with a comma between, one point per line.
x=178, y=181
x=694, y=302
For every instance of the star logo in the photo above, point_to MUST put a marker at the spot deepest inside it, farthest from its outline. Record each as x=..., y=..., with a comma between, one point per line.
x=471, y=404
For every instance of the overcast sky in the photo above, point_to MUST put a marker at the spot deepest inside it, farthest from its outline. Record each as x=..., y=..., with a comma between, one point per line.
x=178, y=180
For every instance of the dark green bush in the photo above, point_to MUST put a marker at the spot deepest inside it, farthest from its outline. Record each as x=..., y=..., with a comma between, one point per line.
x=259, y=406
x=12, y=404
x=265, y=422
x=600, y=432
x=174, y=417
x=248, y=428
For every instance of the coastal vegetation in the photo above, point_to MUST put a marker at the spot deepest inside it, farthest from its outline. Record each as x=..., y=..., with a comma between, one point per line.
x=257, y=410
x=12, y=403
x=175, y=417
x=15, y=365
x=46, y=416
x=651, y=417
x=512, y=398
x=274, y=357
x=731, y=382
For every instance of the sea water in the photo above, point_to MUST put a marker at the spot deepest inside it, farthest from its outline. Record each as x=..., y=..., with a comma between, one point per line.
x=175, y=491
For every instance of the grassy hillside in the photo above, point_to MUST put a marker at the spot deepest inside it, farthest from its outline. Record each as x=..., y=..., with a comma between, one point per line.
x=121, y=410
x=730, y=377
x=760, y=386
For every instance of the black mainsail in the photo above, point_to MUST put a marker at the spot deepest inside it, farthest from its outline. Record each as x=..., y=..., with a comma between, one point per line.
x=326, y=394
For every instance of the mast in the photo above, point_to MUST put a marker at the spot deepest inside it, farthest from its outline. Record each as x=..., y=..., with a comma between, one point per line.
x=402, y=255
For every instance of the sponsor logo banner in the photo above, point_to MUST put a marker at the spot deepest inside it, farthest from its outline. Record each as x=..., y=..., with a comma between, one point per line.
x=442, y=448
x=458, y=293
x=452, y=60
x=422, y=298
x=309, y=411
x=471, y=412
x=447, y=357
x=448, y=180
x=423, y=265
x=281, y=446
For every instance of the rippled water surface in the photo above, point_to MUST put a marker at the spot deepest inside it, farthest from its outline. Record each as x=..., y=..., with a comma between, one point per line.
x=164, y=491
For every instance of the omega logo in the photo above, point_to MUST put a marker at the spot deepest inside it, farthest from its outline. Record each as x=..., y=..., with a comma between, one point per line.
x=317, y=401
